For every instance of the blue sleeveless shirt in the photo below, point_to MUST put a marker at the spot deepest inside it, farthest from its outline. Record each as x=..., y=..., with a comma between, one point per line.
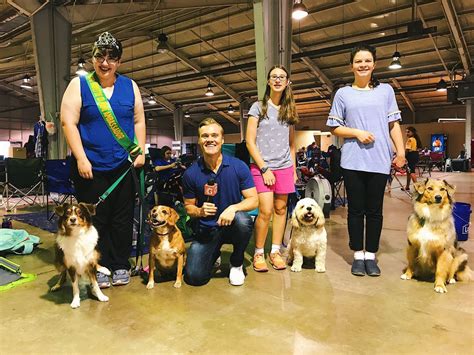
x=100, y=146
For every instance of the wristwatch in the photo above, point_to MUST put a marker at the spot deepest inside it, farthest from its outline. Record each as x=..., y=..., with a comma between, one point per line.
x=264, y=169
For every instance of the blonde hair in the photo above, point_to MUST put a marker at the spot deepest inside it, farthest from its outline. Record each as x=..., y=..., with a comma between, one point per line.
x=207, y=122
x=287, y=113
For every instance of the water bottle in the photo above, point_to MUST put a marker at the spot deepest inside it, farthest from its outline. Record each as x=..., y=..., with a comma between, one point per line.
x=7, y=223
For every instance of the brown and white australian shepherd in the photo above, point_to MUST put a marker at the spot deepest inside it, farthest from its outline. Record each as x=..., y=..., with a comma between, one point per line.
x=76, y=251
x=432, y=249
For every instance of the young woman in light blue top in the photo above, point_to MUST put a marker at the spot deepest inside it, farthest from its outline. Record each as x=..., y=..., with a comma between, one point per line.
x=366, y=115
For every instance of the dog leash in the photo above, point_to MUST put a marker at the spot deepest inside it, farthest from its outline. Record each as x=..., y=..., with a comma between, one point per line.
x=140, y=188
x=113, y=186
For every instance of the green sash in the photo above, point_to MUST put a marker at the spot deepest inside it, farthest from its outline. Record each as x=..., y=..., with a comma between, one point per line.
x=109, y=117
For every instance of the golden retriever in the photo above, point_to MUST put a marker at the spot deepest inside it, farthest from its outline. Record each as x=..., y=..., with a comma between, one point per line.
x=309, y=237
x=432, y=251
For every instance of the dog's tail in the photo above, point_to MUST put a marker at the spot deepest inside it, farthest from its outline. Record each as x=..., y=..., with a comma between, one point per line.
x=103, y=270
x=463, y=271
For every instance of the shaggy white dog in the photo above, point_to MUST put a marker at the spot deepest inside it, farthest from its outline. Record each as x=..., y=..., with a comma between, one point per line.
x=309, y=237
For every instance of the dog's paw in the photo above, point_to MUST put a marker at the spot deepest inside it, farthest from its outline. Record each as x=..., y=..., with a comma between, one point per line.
x=405, y=277
x=177, y=284
x=452, y=281
x=296, y=268
x=76, y=303
x=150, y=285
x=320, y=269
x=102, y=298
x=440, y=289
x=54, y=288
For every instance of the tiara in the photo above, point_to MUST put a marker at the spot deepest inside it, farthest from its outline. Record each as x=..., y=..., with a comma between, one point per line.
x=107, y=40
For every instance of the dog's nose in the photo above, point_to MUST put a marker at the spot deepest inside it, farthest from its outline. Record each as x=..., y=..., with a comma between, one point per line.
x=73, y=219
x=438, y=198
x=309, y=208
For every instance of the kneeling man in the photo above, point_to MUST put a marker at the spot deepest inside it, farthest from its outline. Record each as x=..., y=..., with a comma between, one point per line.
x=218, y=190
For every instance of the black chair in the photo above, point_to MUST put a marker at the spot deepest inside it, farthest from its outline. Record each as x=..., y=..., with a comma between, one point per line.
x=24, y=179
x=58, y=181
x=338, y=193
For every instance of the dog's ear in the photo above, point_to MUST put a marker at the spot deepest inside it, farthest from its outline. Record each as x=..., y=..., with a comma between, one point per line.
x=59, y=210
x=450, y=188
x=420, y=186
x=321, y=220
x=294, y=220
x=173, y=217
x=89, y=207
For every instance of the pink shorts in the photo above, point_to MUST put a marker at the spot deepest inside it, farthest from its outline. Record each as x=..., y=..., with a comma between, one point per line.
x=284, y=182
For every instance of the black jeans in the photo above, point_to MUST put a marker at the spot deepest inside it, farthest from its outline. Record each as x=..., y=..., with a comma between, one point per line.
x=206, y=248
x=365, y=192
x=114, y=216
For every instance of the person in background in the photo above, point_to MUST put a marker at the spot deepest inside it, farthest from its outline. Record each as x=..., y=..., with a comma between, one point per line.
x=218, y=191
x=366, y=115
x=99, y=159
x=412, y=146
x=166, y=165
x=30, y=147
x=270, y=141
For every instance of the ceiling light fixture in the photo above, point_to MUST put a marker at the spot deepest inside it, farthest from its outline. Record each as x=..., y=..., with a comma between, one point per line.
x=81, y=67
x=299, y=10
x=187, y=114
x=26, y=84
x=230, y=109
x=163, y=45
x=449, y=120
x=441, y=86
x=209, y=91
x=395, y=64
x=152, y=100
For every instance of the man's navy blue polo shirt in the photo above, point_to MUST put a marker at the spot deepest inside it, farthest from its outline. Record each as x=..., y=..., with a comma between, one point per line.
x=232, y=177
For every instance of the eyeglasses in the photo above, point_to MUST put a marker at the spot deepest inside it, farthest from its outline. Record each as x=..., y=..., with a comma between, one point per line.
x=102, y=59
x=282, y=78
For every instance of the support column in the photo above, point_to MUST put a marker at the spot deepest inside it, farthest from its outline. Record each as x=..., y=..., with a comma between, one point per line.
x=273, y=29
x=52, y=48
x=178, y=118
x=468, y=135
x=244, y=117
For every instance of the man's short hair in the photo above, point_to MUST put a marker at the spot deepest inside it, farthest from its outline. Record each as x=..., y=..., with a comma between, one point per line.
x=207, y=122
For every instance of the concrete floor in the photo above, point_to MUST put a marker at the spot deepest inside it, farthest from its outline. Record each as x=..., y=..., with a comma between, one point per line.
x=276, y=312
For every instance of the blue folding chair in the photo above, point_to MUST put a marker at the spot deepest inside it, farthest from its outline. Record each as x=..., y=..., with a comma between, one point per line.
x=58, y=181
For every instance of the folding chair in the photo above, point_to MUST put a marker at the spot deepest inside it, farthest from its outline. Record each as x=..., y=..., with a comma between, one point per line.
x=424, y=165
x=437, y=160
x=338, y=193
x=3, y=180
x=58, y=180
x=24, y=180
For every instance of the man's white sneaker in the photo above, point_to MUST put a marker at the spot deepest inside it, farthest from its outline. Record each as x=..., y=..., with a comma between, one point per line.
x=236, y=276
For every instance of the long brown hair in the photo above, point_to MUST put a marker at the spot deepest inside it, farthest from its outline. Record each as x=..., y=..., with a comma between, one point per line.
x=287, y=113
x=415, y=135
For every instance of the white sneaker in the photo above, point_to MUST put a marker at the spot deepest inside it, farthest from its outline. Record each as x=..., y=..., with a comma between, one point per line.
x=236, y=276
